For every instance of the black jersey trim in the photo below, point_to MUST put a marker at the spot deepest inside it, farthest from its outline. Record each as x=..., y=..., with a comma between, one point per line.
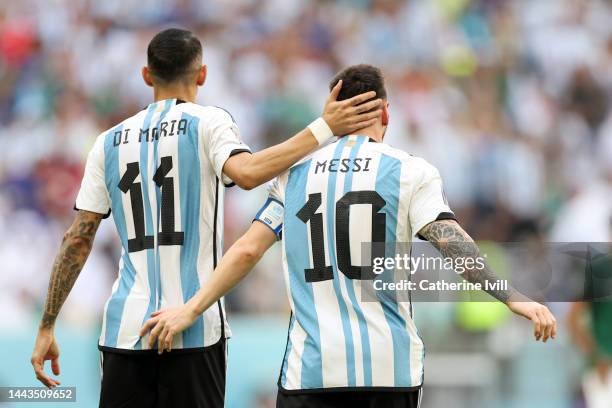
x=280, y=373
x=221, y=317
x=238, y=151
x=106, y=349
x=446, y=216
x=347, y=389
x=104, y=216
x=178, y=102
x=441, y=217
x=233, y=153
x=228, y=112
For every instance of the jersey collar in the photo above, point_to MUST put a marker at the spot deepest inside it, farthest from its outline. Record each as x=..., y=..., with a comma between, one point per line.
x=176, y=102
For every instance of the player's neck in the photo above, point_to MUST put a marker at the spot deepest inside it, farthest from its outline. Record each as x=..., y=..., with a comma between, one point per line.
x=179, y=91
x=373, y=132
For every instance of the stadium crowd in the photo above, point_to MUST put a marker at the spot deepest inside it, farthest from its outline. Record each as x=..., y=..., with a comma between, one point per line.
x=509, y=99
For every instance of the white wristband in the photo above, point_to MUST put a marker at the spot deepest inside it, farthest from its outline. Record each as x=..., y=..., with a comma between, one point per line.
x=320, y=130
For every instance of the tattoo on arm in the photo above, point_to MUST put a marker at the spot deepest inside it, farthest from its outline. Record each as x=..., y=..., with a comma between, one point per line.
x=452, y=241
x=72, y=255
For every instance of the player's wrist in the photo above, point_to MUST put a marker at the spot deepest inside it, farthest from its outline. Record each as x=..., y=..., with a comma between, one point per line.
x=47, y=323
x=514, y=296
x=320, y=130
x=192, y=310
x=46, y=329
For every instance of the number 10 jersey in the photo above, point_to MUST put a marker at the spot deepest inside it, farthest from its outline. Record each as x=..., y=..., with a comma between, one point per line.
x=160, y=174
x=347, y=193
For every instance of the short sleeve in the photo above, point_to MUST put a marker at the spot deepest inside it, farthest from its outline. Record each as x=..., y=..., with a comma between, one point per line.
x=224, y=139
x=428, y=202
x=93, y=195
x=272, y=212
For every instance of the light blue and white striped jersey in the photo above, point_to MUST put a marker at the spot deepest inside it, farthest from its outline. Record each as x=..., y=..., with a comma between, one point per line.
x=159, y=174
x=349, y=192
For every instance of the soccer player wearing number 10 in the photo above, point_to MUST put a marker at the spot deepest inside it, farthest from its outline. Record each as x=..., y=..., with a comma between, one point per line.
x=161, y=173
x=355, y=190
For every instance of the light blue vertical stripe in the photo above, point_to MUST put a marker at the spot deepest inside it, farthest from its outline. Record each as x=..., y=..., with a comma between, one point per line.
x=422, y=362
x=127, y=273
x=388, y=186
x=168, y=104
x=296, y=234
x=189, y=191
x=331, y=242
x=149, y=229
x=363, y=325
x=283, y=377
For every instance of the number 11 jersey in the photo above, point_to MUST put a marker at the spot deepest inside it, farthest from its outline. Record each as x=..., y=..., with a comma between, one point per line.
x=347, y=193
x=160, y=174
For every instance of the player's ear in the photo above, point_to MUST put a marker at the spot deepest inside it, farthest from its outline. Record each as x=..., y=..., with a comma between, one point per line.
x=202, y=75
x=146, y=76
x=385, y=114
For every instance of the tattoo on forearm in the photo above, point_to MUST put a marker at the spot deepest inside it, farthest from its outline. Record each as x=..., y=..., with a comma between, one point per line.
x=72, y=255
x=453, y=242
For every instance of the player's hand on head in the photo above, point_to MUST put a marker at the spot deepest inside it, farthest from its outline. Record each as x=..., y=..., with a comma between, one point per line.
x=165, y=324
x=46, y=348
x=544, y=323
x=350, y=115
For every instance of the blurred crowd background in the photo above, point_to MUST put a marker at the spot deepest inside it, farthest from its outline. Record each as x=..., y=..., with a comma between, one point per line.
x=509, y=99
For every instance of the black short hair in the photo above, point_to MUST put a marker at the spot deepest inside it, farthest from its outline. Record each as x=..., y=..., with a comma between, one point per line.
x=172, y=53
x=358, y=79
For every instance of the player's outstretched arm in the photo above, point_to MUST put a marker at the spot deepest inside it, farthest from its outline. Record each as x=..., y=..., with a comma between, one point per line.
x=72, y=255
x=234, y=266
x=453, y=242
x=342, y=117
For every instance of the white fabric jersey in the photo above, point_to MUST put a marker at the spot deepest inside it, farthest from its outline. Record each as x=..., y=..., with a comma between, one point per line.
x=159, y=173
x=349, y=192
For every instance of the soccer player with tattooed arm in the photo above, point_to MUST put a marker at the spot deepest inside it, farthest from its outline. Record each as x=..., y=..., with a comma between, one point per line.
x=162, y=173
x=341, y=350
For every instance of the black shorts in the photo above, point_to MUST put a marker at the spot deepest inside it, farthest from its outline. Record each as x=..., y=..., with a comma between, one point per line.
x=353, y=399
x=190, y=379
